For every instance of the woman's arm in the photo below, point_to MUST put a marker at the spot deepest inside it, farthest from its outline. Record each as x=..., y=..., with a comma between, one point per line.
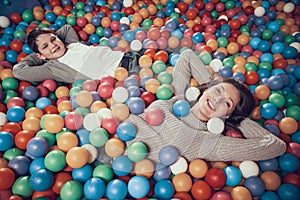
x=67, y=34
x=259, y=144
x=188, y=65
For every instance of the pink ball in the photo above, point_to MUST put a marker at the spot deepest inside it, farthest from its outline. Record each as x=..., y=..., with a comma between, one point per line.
x=220, y=195
x=140, y=35
x=43, y=91
x=188, y=33
x=162, y=43
x=154, y=33
x=73, y=120
x=151, y=45
x=114, y=25
x=110, y=124
x=108, y=79
x=81, y=21
x=293, y=148
x=105, y=90
x=220, y=7
x=50, y=85
x=90, y=85
x=154, y=116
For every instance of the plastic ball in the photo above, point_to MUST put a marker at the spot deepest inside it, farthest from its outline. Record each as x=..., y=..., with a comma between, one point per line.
x=116, y=189
x=268, y=110
x=215, y=177
x=73, y=120
x=144, y=168
x=41, y=180
x=288, y=191
x=136, y=105
x=30, y=93
x=77, y=157
x=126, y=131
x=82, y=174
x=255, y=185
x=168, y=155
x=4, y=22
x=55, y=160
x=181, y=108
x=249, y=168
x=271, y=179
x=37, y=147
x=138, y=187
x=94, y=188
x=15, y=114
x=114, y=147
x=71, y=190
x=288, y=162
x=7, y=178
x=233, y=176
x=201, y=190
x=122, y=165
x=21, y=187
x=182, y=182
x=6, y=140
x=164, y=189
x=288, y=125
x=136, y=151
x=240, y=192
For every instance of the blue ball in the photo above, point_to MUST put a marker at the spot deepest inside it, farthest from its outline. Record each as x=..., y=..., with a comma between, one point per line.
x=20, y=165
x=122, y=166
x=15, y=114
x=41, y=180
x=266, y=57
x=136, y=105
x=37, y=147
x=164, y=189
x=263, y=73
x=239, y=76
x=288, y=191
x=233, y=175
x=225, y=71
x=6, y=140
x=11, y=56
x=273, y=26
x=134, y=91
x=181, y=108
x=269, y=195
x=43, y=102
x=254, y=42
x=288, y=162
x=113, y=42
x=96, y=20
x=289, y=52
x=129, y=35
x=107, y=32
x=50, y=16
x=123, y=27
x=197, y=37
x=138, y=187
x=83, y=136
x=255, y=185
x=94, y=38
x=273, y=129
x=268, y=110
x=168, y=155
x=269, y=165
x=82, y=174
x=296, y=89
x=30, y=93
x=275, y=82
x=161, y=172
x=37, y=164
x=94, y=188
x=296, y=137
x=126, y=131
x=131, y=81
x=116, y=189
x=277, y=47
x=278, y=37
x=263, y=46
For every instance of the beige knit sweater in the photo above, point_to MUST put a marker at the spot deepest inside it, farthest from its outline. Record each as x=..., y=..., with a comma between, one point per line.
x=191, y=137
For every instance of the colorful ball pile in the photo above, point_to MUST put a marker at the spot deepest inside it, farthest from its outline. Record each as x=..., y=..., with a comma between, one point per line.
x=68, y=141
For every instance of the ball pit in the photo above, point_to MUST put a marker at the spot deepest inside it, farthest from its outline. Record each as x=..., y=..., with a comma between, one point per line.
x=54, y=135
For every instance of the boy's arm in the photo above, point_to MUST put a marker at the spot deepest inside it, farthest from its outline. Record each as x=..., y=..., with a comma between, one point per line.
x=188, y=65
x=67, y=34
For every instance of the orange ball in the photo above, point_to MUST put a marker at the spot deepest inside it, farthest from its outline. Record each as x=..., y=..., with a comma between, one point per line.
x=105, y=22
x=144, y=13
x=198, y=168
x=271, y=179
x=97, y=105
x=151, y=85
x=54, y=123
x=77, y=157
x=66, y=141
x=84, y=98
x=57, y=10
x=2, y=56
x=39, y=15
x=6, y=73
x=62, y=91
x=146, y=72
x=31, y=124
x=233, y=48
x=120, y=111
x=201, y=190
x=262, y=92
x=239, y=60
x=89, y=29
x=213, y=44
x=121, y=73
x=114, y=147
x=173, y=42
x=64, y=105
x=34, y=112
x=161, y=55
x=153, y=33
x=144, y=168
x=182, y=182
x=238, y=68
x=152, y=9
x=137, y=18
x=159, y=22
x=145, y=61
x=288, y=125
x=243, y=40
x=253, y=59
x=241, y=193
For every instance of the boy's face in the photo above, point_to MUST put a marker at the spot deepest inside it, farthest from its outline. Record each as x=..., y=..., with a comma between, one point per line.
x=50, y=46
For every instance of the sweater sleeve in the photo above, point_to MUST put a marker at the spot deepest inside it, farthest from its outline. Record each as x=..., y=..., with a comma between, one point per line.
x=67, y=34
x=188, y=65
x=259, y=144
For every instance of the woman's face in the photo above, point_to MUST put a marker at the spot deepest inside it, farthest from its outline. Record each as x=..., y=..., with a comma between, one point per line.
x=217, y=101
x=50, y=46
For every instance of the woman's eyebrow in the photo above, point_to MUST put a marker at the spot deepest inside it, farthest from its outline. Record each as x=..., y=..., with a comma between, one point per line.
x=229, y=96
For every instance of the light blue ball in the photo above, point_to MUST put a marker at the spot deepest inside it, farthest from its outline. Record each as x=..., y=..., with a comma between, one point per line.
x=138, y=187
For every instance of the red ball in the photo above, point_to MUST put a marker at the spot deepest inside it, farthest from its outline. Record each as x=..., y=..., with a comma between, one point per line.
x=294, y=148
x=148, y=98
x=110, y=124
x=201, y=190
x=73, y=120
x=215, y=177
x=22, y=138
x=15, y=18
x=50, y=84
x=105, y=90
x=221, y=195
x=15, y=101
x=108, y=79
x=83, y=35
x=292, y=178
x=191, y=14
x=16, y=45
x=199, y=4
x=182, y=6
x=51, y=109
x=7, y=178
x=59, y=180
x=12, y=127
x=81, y=21
x=251, y=77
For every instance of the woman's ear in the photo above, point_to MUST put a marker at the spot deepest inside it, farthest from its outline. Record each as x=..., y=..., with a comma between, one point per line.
x=40, y=56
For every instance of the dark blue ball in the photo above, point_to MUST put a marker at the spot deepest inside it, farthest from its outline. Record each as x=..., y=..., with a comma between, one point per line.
x=255, y=185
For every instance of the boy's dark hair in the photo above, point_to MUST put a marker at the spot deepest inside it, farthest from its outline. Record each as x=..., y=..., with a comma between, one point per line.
x=33, y=34
x=245, y=106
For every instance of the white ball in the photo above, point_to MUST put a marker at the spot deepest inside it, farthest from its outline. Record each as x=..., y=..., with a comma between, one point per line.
x=223, y=17
x=104, y=113
x=259, y=11
x=249, y=168
x=91, y=121
x=4, y=22
x=216, y=64
x=296, y=45
x=136, y=45
x=3, y=118
x=215, y=125
x=127, y=3
x=120, y=94
x=180, y=166
x=125, y=20
x=192, y=93
x=93, y=153
x=288, y=7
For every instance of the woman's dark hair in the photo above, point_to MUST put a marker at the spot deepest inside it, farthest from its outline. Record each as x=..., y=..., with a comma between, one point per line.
x=33, y=34
x=243, y=109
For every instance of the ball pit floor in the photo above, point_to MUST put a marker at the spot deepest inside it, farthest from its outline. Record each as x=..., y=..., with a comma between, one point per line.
x=54, y=135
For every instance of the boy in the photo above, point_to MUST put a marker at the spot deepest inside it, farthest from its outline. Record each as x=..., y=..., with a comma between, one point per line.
x=62, y=57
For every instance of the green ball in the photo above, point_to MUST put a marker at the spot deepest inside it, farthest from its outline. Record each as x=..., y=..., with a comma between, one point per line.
x=12, y=153
x=294, y=112
x=174, y=15
x=277, y=99
x=49, y=137
x=250, y=66
x=159, y=6
x=165, y=78
x=27, y=16
x=205, y=57
x=147, y=23
x=79, y=5
x=80, y=13
x=289, y=39
x=267, y=34
x=98, y=137
x=214, y=14
x=52, y=96
x=19, y=34
x=222, y=41
x=99, y=31
x=71, y=20
x=71, y=190
x=55, y=160
x=265, y=65
x=83, y=111
x=244, y=28
x=291, y=99
x=22, y=187
x=104, y=172
x=74, y=11
x=78, y=83
x=164, y=92
x=158, y=67
x=136, y=151
x=103, y=41
x=229, y=5
x=9, y=94
x=29, y=104
x=228, y=62
x=10, y=83
x=43, y=120
x=280, y=21
x=43, y=25
x=74, y=90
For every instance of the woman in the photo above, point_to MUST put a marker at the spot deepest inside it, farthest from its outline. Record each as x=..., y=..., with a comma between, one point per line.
x=226, y=99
